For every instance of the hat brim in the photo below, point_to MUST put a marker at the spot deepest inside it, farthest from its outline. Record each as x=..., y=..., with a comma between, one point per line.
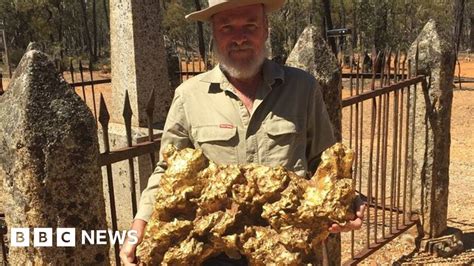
x=206, y=14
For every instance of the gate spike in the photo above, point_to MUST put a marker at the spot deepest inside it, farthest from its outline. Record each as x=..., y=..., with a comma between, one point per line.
x=416, y=58
x=150, y=106
x=93, y=91
x=127, y=109
x=375, y=57
x=80, y=66
x=396, y=65
x=127, y=115
x=405, y=55
x=104, y=115
x=71, y=69
x=389, y=68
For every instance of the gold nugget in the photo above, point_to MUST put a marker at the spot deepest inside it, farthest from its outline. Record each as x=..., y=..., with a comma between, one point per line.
x=267, y=214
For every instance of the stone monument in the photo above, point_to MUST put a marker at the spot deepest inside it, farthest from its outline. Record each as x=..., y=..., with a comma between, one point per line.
x=48, y=164
x=138, y=61
x=436, y=60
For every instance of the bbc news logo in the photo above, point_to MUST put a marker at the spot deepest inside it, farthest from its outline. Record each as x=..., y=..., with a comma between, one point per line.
x=66, y=237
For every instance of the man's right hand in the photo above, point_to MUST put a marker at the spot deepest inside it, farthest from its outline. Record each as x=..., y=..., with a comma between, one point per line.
x=127, y=252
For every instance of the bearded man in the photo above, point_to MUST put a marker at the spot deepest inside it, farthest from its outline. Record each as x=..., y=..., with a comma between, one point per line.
x=247, y=109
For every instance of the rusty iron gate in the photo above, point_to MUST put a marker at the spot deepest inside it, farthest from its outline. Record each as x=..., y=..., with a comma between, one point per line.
x=378, y=124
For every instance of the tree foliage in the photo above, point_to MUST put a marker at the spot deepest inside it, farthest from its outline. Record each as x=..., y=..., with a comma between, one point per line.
x=60, y=25
x=57, y=24
x=375, y=23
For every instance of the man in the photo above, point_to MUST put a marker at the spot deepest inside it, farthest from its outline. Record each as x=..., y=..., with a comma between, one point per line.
x=246, y=110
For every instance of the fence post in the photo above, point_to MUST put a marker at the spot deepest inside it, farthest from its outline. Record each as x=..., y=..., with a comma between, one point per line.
x=434, y=56
x=49, y=165
x=139, y=67
x=138, y=59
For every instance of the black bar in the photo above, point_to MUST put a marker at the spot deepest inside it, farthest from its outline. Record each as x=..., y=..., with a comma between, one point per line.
x=88, y=83
x=128, y=152
x=370, y=75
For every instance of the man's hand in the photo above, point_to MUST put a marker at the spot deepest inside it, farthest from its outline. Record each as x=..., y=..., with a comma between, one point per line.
x=127, y=252
x=359, y=207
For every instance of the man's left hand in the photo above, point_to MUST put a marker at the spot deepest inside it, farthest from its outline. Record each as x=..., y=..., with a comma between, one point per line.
x=359, y=207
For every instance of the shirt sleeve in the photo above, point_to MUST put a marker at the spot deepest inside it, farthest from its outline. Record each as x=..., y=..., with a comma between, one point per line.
x=320, y=129
x=175, y=132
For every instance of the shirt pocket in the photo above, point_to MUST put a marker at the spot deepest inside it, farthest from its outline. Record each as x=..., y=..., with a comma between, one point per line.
x=282, y=141
x=218, y=144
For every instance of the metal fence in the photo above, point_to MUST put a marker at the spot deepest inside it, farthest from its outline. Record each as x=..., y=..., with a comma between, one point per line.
x=107, y=158
x=3, y=232
x=379, y=125
x=190, y=66
x=86, y=82
x=383, y=173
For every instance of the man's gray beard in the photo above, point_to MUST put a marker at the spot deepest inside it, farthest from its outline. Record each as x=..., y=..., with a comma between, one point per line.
x=244, y=70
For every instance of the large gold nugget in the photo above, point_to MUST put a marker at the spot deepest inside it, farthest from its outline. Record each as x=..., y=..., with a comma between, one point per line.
x=268, y=214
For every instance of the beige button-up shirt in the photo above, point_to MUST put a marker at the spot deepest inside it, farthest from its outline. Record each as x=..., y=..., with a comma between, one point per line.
x=288, y=125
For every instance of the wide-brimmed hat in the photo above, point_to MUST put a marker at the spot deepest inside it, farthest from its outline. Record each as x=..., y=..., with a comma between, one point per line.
x=216, y=6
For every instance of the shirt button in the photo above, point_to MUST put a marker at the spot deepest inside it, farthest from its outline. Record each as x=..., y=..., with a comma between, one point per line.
x=251, y=158
x=240, y=103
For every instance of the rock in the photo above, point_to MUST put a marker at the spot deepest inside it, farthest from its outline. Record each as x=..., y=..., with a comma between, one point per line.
x=312, y=54
x=48, y=163
x=436, y=60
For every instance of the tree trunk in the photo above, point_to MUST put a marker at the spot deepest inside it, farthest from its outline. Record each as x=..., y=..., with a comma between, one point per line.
x=342, y=14
x=327, y=21
x=458, y=7
x=200, y=32
x=380, y=33
x=295, y=28
x=343, y=25
x=104, y=3
x=314, y=7
x=471, y=34
x=60, y=30
x=86, y=29
x=354, y=23
x=94, y=30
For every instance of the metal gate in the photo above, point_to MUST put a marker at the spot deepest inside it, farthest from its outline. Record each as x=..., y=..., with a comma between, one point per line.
x=378, y=124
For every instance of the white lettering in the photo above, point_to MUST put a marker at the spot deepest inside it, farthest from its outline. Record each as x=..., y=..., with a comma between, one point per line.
x=66, y=237
x=101, y=237
x=132, y=236
x=116, y=236
x=88, y=236
x=20, y=237
x=43, y=237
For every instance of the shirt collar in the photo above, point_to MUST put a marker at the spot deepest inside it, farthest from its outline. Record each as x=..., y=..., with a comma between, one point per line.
x=272, y=73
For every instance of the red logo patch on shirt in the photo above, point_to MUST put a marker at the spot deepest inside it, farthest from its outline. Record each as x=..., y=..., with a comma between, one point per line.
x=226, y=126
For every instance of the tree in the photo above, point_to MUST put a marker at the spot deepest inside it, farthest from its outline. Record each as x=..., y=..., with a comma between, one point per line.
x=200, y=33
x=327, y=24
x=86, y=29
x=94, y=29
x=104, y=3
x=286, y=26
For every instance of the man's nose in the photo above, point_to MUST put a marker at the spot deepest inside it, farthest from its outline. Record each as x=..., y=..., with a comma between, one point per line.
x=240, y=37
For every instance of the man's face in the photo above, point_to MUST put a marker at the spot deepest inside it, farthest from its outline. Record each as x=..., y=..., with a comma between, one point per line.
x=240, y=36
